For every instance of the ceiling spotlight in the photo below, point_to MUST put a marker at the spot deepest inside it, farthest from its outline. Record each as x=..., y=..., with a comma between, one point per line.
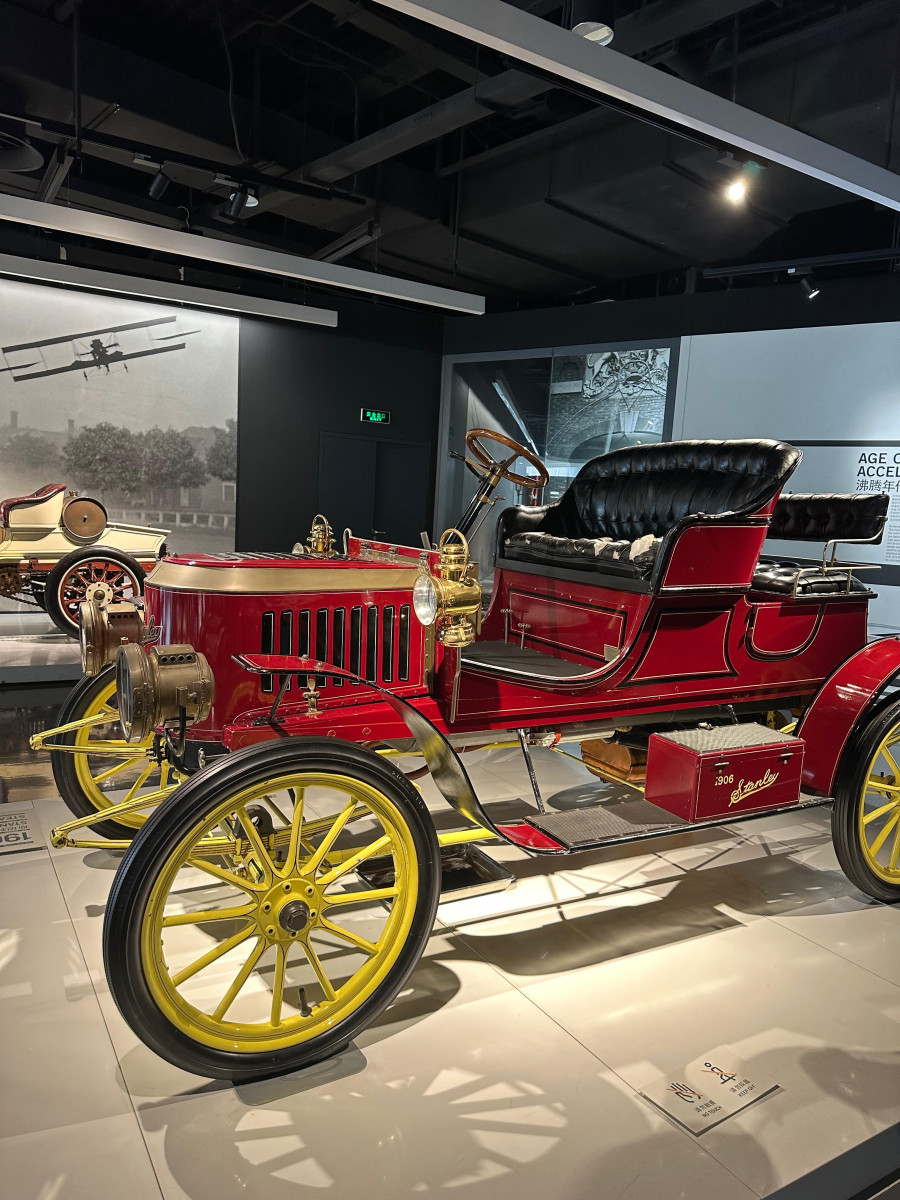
x=594, y=31
x=158, y=185
x=810, y=289
x=587, y=21
x=736, y=191
x=18, y=154
x=239, y=200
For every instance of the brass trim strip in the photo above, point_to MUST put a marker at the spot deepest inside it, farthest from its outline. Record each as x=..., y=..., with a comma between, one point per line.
x=278, y=580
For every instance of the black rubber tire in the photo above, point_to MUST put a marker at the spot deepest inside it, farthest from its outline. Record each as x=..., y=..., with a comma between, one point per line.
x=848, y=795
x=63, y=763
x=163, y=832
x=84, y=554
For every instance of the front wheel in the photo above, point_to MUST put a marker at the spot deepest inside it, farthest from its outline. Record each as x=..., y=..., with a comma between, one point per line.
x=866, y=816
x=93, y=572
x=237, y=948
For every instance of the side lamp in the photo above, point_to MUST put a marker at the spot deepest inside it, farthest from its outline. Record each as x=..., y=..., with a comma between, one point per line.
x=451, y=599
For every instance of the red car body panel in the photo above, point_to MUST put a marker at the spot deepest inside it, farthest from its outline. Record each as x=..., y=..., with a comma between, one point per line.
x=829, y=721
x=698, y=638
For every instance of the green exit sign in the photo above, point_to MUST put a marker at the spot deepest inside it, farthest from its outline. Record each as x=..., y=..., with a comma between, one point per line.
x=375, y=416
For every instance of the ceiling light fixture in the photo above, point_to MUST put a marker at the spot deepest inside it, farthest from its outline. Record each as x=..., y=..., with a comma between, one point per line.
x=243, y=198
x=158, y=185
x=18, y=154
x=811, y=291
x=587, y=21
x=803, y=274
x=748, y=171
x=736, y=191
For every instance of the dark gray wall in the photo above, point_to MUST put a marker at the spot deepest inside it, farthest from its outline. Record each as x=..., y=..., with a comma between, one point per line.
x=297, y=381
x=873, y=297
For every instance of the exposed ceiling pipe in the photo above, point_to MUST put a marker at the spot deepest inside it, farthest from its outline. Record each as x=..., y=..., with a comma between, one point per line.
x=657, y=24
x=349, y=243
x=502, y=91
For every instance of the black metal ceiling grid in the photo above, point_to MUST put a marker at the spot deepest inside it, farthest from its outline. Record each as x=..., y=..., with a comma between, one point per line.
x=507, y=184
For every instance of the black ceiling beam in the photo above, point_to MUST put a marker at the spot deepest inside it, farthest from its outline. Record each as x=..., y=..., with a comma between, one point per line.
x=786, y=264
x=449, y=278
x=591, y=219
x=489, y=243
x=394, y=34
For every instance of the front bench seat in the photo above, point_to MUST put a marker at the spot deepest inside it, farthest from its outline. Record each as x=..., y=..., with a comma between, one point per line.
x=820, y=517
x=618, y=508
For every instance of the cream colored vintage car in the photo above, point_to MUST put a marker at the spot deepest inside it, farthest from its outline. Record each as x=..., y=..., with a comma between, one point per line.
x=58, y=549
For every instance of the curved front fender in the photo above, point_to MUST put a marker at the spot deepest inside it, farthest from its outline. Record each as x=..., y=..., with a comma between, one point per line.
x=443, y=762
x=833, y=715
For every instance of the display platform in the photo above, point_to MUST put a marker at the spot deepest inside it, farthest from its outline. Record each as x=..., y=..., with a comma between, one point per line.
x=512, y=1063
x=32, y=650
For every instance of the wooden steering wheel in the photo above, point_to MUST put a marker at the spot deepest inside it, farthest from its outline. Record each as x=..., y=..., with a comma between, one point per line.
x=487, y=466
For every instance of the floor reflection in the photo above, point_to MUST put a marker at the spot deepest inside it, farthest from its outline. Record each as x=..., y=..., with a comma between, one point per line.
x=25, y=775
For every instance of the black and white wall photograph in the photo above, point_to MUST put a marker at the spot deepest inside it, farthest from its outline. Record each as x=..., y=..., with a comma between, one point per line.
x=133, y=404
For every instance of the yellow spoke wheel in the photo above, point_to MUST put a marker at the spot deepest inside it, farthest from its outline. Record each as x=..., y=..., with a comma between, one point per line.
x=866, y=821
x=272, y=908
x=91, y=782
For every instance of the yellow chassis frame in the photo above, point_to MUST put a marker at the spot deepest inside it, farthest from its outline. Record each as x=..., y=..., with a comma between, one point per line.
x=60, y=835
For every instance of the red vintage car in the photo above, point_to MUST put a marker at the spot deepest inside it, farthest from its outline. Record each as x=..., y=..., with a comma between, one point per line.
x=285, y=883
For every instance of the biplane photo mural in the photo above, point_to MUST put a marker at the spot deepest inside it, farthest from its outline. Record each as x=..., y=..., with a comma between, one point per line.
x=133, y=404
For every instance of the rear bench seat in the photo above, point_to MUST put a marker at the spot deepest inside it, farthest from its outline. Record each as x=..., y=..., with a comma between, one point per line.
x=825, y=517
x=614, y=515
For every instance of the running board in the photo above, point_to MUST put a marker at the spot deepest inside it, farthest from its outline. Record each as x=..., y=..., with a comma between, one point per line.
x=465, y=871
x=632, y=821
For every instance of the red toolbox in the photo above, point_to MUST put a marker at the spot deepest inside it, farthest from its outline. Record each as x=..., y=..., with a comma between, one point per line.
x=724, y=771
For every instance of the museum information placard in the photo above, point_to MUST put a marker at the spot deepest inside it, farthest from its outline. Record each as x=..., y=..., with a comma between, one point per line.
x=709, y=1090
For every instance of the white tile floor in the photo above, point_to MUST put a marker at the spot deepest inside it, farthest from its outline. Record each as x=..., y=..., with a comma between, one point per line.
x=509, y=1066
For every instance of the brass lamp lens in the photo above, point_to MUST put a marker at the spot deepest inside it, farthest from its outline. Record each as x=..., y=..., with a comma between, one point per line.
x=425, y=599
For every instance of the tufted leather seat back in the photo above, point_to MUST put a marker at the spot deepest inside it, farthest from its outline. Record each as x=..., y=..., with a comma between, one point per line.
x=822, y=516
x=648, y=489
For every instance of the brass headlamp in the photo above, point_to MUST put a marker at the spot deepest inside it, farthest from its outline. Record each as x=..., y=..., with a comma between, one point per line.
x=106, y=625
x=154, y=686
x=320, y=536
x=450, y=600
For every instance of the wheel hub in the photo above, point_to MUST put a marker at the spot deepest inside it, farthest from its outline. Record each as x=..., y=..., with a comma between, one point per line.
x=294, y=916
x=289, y=910
x=100, y=593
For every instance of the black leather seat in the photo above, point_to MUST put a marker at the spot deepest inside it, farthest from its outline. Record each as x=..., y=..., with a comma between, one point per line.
x=829, y=516
x=803, y=580
x=615, y=513
x=820, y=517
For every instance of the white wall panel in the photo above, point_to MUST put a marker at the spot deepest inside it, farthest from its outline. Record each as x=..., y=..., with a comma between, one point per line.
x=838, y=383
x=834, y=382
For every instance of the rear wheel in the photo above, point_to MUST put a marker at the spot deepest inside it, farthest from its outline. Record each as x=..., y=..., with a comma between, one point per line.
x=234, y=952
x=866, y=817
x=115, y=771
x=93, y=571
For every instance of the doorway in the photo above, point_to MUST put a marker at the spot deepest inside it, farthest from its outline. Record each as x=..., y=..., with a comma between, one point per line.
x=375, y=487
